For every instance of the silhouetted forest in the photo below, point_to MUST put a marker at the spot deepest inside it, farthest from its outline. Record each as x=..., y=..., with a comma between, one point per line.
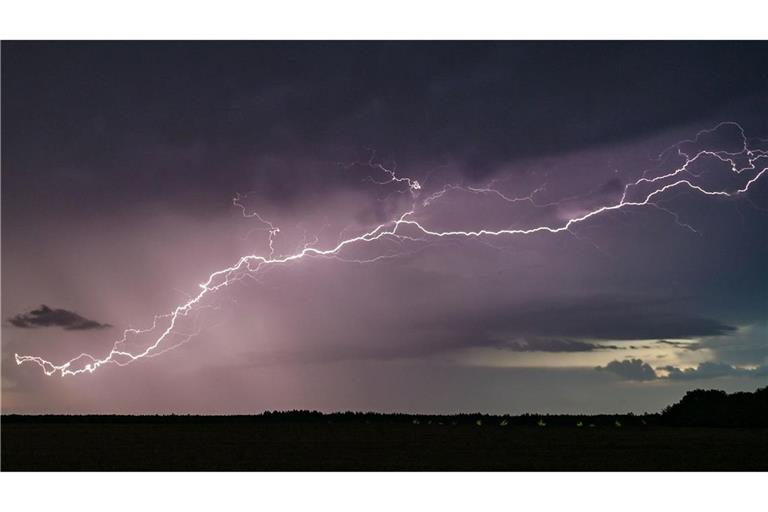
x=714, y=408
x=705, y=430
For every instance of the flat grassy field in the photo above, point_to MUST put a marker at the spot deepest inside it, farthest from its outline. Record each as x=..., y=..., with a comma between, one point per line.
x=195, y=443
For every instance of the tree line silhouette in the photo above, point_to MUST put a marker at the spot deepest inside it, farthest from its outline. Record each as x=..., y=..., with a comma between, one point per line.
x=715, y=408
x=698, y=408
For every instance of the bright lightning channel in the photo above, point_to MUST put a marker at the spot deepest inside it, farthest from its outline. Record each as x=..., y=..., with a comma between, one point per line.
x=681, y=177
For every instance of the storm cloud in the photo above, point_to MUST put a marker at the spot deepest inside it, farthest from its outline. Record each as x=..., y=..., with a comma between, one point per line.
x=121, y=161
x=631, y=369
x=553, y=323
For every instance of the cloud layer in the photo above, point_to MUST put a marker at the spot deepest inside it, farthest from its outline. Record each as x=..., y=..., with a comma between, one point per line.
x=639, y=370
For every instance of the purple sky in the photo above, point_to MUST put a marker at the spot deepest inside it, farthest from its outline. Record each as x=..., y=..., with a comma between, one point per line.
x=121, y=162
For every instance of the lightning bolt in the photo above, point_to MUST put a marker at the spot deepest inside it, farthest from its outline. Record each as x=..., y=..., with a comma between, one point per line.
x=165, y=328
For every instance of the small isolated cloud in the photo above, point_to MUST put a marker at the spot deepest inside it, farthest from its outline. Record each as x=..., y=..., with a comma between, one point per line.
x=685, y=345
x=49, y=317
x=631, y=369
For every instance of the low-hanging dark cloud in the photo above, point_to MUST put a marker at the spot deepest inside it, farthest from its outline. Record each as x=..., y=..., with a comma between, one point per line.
x=45, y=316
x=639, y=370
x=713, y=369
x=552, y=345
x=599, y=317
x=683, y=345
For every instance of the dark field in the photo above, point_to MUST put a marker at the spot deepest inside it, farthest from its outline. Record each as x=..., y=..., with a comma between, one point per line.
x=259, y=443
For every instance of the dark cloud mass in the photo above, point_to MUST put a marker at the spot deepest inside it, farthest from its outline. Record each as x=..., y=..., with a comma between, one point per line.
x=48, y=317
x=120, y=161
x=610, y=318
x=161, y=119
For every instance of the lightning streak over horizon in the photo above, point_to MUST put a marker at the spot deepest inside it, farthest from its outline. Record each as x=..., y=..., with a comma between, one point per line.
x=165, y=327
